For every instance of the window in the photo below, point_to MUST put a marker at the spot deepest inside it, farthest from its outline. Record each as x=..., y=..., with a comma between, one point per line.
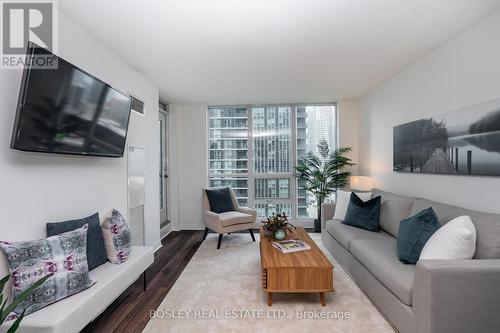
x=228, y=150
x=254, y=150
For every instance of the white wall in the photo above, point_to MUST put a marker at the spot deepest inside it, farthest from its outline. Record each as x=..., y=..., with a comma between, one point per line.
x=348, y=129
x=462, y=72
x=38, y=188
x=192, y=173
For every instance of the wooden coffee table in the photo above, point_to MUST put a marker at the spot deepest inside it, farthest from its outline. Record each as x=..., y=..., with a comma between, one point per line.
x=300, y=272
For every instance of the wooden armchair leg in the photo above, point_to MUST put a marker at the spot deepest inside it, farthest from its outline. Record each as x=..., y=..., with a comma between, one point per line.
x=220, y=241
x=205, y=234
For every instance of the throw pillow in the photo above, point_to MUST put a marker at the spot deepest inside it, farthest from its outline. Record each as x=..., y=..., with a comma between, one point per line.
x=220, y=200
x=64, y=255
x=116, y=237
x=454, y=240
x=363, y=214
x=343, y=200
x=414, y=232
x=96, y=252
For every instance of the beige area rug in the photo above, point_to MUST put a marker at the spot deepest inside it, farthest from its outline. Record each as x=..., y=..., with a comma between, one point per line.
x=220, y=291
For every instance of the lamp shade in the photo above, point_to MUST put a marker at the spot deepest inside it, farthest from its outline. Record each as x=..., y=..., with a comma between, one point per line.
x=361, y=183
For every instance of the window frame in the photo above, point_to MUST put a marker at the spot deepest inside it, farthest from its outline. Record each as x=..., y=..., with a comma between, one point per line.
x=252, y=176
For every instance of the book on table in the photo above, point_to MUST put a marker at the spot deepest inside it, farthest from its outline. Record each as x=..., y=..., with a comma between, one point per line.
x=291, y=245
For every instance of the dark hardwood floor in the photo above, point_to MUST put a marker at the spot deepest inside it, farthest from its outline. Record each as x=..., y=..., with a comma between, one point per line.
x=130, y=312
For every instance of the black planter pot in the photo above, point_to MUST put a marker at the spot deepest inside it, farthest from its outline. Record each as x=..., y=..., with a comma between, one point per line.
x=317, y=226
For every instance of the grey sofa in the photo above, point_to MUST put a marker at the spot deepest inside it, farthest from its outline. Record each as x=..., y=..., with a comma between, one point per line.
x=434, y=295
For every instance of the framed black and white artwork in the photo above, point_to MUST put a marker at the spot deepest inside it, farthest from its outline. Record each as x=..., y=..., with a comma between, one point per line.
x=461, y=142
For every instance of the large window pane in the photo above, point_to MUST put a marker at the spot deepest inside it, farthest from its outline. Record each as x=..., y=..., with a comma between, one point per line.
x=271, y=133
x=314, y=123
x=267, y=174
x=228, y=140
x=265, y=210
x=266, y=188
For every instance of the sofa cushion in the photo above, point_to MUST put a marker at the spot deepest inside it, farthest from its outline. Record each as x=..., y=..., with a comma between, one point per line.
x=363, y=214
x=393, y=208
x=73, y=313
x=220, y=200
x=345, y=234
x=343, y=198
x=96, y=252
x=453, y=241
x=487, y=225
x=234, y=217
x=379, y=257
x=414, y=232
x=117, y=237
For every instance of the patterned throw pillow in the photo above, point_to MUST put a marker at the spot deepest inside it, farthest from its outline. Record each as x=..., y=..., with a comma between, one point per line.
x=116, y=237
x=64, y=255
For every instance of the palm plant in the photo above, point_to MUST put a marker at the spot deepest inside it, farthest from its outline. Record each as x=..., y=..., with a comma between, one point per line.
x=324, y=174
x=4, y=311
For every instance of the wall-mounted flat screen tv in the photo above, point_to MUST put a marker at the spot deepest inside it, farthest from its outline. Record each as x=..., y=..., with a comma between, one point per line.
x=68, y=111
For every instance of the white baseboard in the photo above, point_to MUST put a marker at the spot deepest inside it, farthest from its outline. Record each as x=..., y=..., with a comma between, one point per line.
x=192, y=227
x=165, y=230
x=157, y=246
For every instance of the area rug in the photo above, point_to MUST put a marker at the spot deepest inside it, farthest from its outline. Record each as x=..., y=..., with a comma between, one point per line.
x=221, y=291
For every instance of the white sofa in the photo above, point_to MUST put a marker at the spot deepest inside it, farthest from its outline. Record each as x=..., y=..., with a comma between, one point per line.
x=72, y=314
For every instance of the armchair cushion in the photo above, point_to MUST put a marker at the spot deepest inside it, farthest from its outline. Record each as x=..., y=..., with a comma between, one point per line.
x=232, y=218
x=220, y=200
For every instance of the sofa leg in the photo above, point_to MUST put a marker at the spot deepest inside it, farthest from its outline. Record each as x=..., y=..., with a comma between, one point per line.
x=145, y=281
x=205, y=234
x=220, y=241
x=251, y=234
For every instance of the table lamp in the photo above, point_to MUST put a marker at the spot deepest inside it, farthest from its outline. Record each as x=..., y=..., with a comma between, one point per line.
x=361, y=183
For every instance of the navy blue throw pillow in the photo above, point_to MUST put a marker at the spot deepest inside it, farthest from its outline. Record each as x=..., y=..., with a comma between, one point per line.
x=96, y=252
x=363, y=214
x=414, y=232
x=220, y=200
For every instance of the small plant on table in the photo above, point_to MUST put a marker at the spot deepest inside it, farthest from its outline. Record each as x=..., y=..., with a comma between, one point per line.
x=276, y=225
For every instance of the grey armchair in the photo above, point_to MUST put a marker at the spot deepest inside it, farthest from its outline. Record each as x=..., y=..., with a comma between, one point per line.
x=242, y=218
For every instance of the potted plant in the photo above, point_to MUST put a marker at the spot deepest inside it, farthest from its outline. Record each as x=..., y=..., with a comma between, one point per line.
x=5, y=311
x=324, y=174
x=276, y=225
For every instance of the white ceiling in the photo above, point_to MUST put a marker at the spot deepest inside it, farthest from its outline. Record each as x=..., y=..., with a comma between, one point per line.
x=272, y=51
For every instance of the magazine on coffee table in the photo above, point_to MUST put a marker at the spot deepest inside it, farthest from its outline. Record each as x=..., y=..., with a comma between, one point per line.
x=291, y=245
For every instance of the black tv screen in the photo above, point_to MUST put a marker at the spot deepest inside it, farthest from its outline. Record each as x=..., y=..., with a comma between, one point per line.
x=68, y=111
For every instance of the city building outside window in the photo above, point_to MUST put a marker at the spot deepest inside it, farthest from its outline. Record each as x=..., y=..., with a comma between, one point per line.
x=254, y=150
